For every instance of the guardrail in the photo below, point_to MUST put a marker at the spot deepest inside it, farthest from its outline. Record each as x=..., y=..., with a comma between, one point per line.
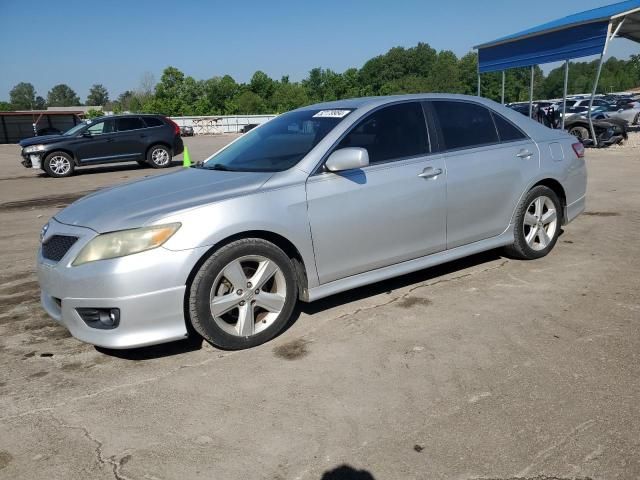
x=219, y=124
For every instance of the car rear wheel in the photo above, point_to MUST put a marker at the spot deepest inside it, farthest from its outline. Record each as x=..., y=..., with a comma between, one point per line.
x=636, y=120
x=243, y=295
x=537, y=224
x=579, y=132
x=58, y=165
x=159, y=156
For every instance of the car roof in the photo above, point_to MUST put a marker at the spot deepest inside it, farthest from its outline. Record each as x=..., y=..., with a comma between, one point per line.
x=370, y=102
x=123, y=115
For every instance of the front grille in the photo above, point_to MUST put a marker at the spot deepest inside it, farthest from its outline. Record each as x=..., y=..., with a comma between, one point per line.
x=57, y=246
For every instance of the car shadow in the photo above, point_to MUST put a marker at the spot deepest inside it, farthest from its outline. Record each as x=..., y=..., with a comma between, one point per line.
x=153, y=352
x=194, y=342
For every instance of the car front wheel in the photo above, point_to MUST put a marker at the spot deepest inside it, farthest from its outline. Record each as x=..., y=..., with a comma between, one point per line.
x=243, y=295
x=159, y=156
x=58, y=165
x=537, y=224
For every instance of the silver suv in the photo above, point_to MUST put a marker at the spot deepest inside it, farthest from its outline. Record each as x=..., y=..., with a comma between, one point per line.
x=317, y=201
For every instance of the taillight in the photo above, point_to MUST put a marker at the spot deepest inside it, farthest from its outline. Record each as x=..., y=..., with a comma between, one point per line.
x=176, y=127
x=579, y=149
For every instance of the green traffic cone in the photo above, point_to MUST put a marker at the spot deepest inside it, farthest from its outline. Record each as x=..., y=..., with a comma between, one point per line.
x=186, y=159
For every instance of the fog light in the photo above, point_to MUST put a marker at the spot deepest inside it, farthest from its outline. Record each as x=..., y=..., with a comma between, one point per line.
x=101, y=318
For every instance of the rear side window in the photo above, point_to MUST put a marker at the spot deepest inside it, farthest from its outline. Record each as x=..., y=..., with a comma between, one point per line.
x=129, y=123
x=153, y=122
x=507, y=131
x=393, y=132
x=465, y=125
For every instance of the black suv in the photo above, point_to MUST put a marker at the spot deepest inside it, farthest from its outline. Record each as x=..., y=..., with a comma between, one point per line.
x=147, y=139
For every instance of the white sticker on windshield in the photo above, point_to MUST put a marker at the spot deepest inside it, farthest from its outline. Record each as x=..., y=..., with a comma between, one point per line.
x=331, y=113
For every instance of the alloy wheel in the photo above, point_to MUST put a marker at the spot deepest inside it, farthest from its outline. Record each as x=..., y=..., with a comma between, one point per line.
x=160, y=156
x=248, y=295
x=540, y=223
x=59, y=165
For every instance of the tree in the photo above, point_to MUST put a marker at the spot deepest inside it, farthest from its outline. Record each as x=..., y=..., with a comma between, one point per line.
x=249, y=103
x=40, y=104
x=98, y=95
x=23, y=96
x=261, y=84
x=62, y=96
x=6, y=107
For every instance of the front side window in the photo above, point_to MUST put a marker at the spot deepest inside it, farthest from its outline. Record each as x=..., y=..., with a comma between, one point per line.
x=465, y=125
x=279, y=144
x=129, y=123
x=98, y=128
x=393, y=132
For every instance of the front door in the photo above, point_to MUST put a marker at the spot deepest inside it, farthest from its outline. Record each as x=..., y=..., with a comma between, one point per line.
x=392, y=211
x=97, y=146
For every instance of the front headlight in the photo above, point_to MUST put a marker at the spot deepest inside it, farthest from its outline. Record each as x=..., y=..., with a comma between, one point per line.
x=125, y=242
x=34, y=148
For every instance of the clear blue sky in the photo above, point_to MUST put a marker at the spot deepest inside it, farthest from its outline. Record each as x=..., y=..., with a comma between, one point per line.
x=114, y=42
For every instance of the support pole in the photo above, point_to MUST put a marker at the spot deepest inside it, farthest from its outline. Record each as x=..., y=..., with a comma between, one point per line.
x=595, y=83
x=531, y=94
x=478, y=83
x=502, y=96
x=564, y=92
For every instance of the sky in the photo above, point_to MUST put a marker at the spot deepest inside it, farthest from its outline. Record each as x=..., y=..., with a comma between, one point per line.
x=115, y=42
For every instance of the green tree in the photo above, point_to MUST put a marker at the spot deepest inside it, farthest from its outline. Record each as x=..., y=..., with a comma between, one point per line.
x=40, y=104
x=23, y=96
x=98, y=95
x=248, y=103
x=6, y=107
x=62, y=96
x=261, y=84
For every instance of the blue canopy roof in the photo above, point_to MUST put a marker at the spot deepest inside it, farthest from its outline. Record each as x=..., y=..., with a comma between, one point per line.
x=578, y=35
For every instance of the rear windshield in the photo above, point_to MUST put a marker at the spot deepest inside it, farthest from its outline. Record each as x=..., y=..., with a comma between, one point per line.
x=279, y=144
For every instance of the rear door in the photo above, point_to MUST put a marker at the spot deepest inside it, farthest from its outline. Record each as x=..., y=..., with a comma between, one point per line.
x=131, y=137
x=489, y=162
x=390, y=211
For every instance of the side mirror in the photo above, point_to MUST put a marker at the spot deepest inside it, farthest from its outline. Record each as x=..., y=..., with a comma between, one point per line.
x=86, y=134
x=347, y=159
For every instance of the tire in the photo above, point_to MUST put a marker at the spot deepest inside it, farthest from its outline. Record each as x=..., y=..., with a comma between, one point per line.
x=159, y=156
x=58, y=165
x=537, y=224
x=232, y=278
x=636, y=120
x=580, y=132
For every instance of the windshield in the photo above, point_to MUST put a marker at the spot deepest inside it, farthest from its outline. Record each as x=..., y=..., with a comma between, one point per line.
x=279, y=144
x=76, y=129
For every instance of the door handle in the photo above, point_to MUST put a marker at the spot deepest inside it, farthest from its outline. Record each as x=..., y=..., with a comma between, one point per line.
x=524, y=154
x=429, y=172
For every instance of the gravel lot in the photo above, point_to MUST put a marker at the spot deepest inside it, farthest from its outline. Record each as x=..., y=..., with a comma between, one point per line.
x=484, y=368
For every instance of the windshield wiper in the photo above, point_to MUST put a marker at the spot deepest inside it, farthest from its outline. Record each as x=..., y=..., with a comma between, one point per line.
x=221, y=167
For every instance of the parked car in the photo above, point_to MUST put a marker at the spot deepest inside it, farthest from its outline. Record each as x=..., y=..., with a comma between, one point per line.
x=248, y=127
x=186, y=131
x=147, y=139
x=609, y=131
x=384, y=186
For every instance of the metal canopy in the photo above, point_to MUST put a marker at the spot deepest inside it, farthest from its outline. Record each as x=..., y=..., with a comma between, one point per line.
x=578, y=35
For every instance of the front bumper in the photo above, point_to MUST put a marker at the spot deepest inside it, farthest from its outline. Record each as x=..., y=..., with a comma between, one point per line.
x=148, y=288
x=31, y=160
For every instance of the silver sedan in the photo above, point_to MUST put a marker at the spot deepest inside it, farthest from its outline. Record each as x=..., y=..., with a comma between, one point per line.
x=317, y=201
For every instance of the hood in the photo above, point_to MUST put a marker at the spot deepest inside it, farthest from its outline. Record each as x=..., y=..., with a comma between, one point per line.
x=138, y=203
x=42, y=139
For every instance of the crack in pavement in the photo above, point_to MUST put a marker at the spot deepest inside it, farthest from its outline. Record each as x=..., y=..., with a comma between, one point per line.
x=116, y=465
